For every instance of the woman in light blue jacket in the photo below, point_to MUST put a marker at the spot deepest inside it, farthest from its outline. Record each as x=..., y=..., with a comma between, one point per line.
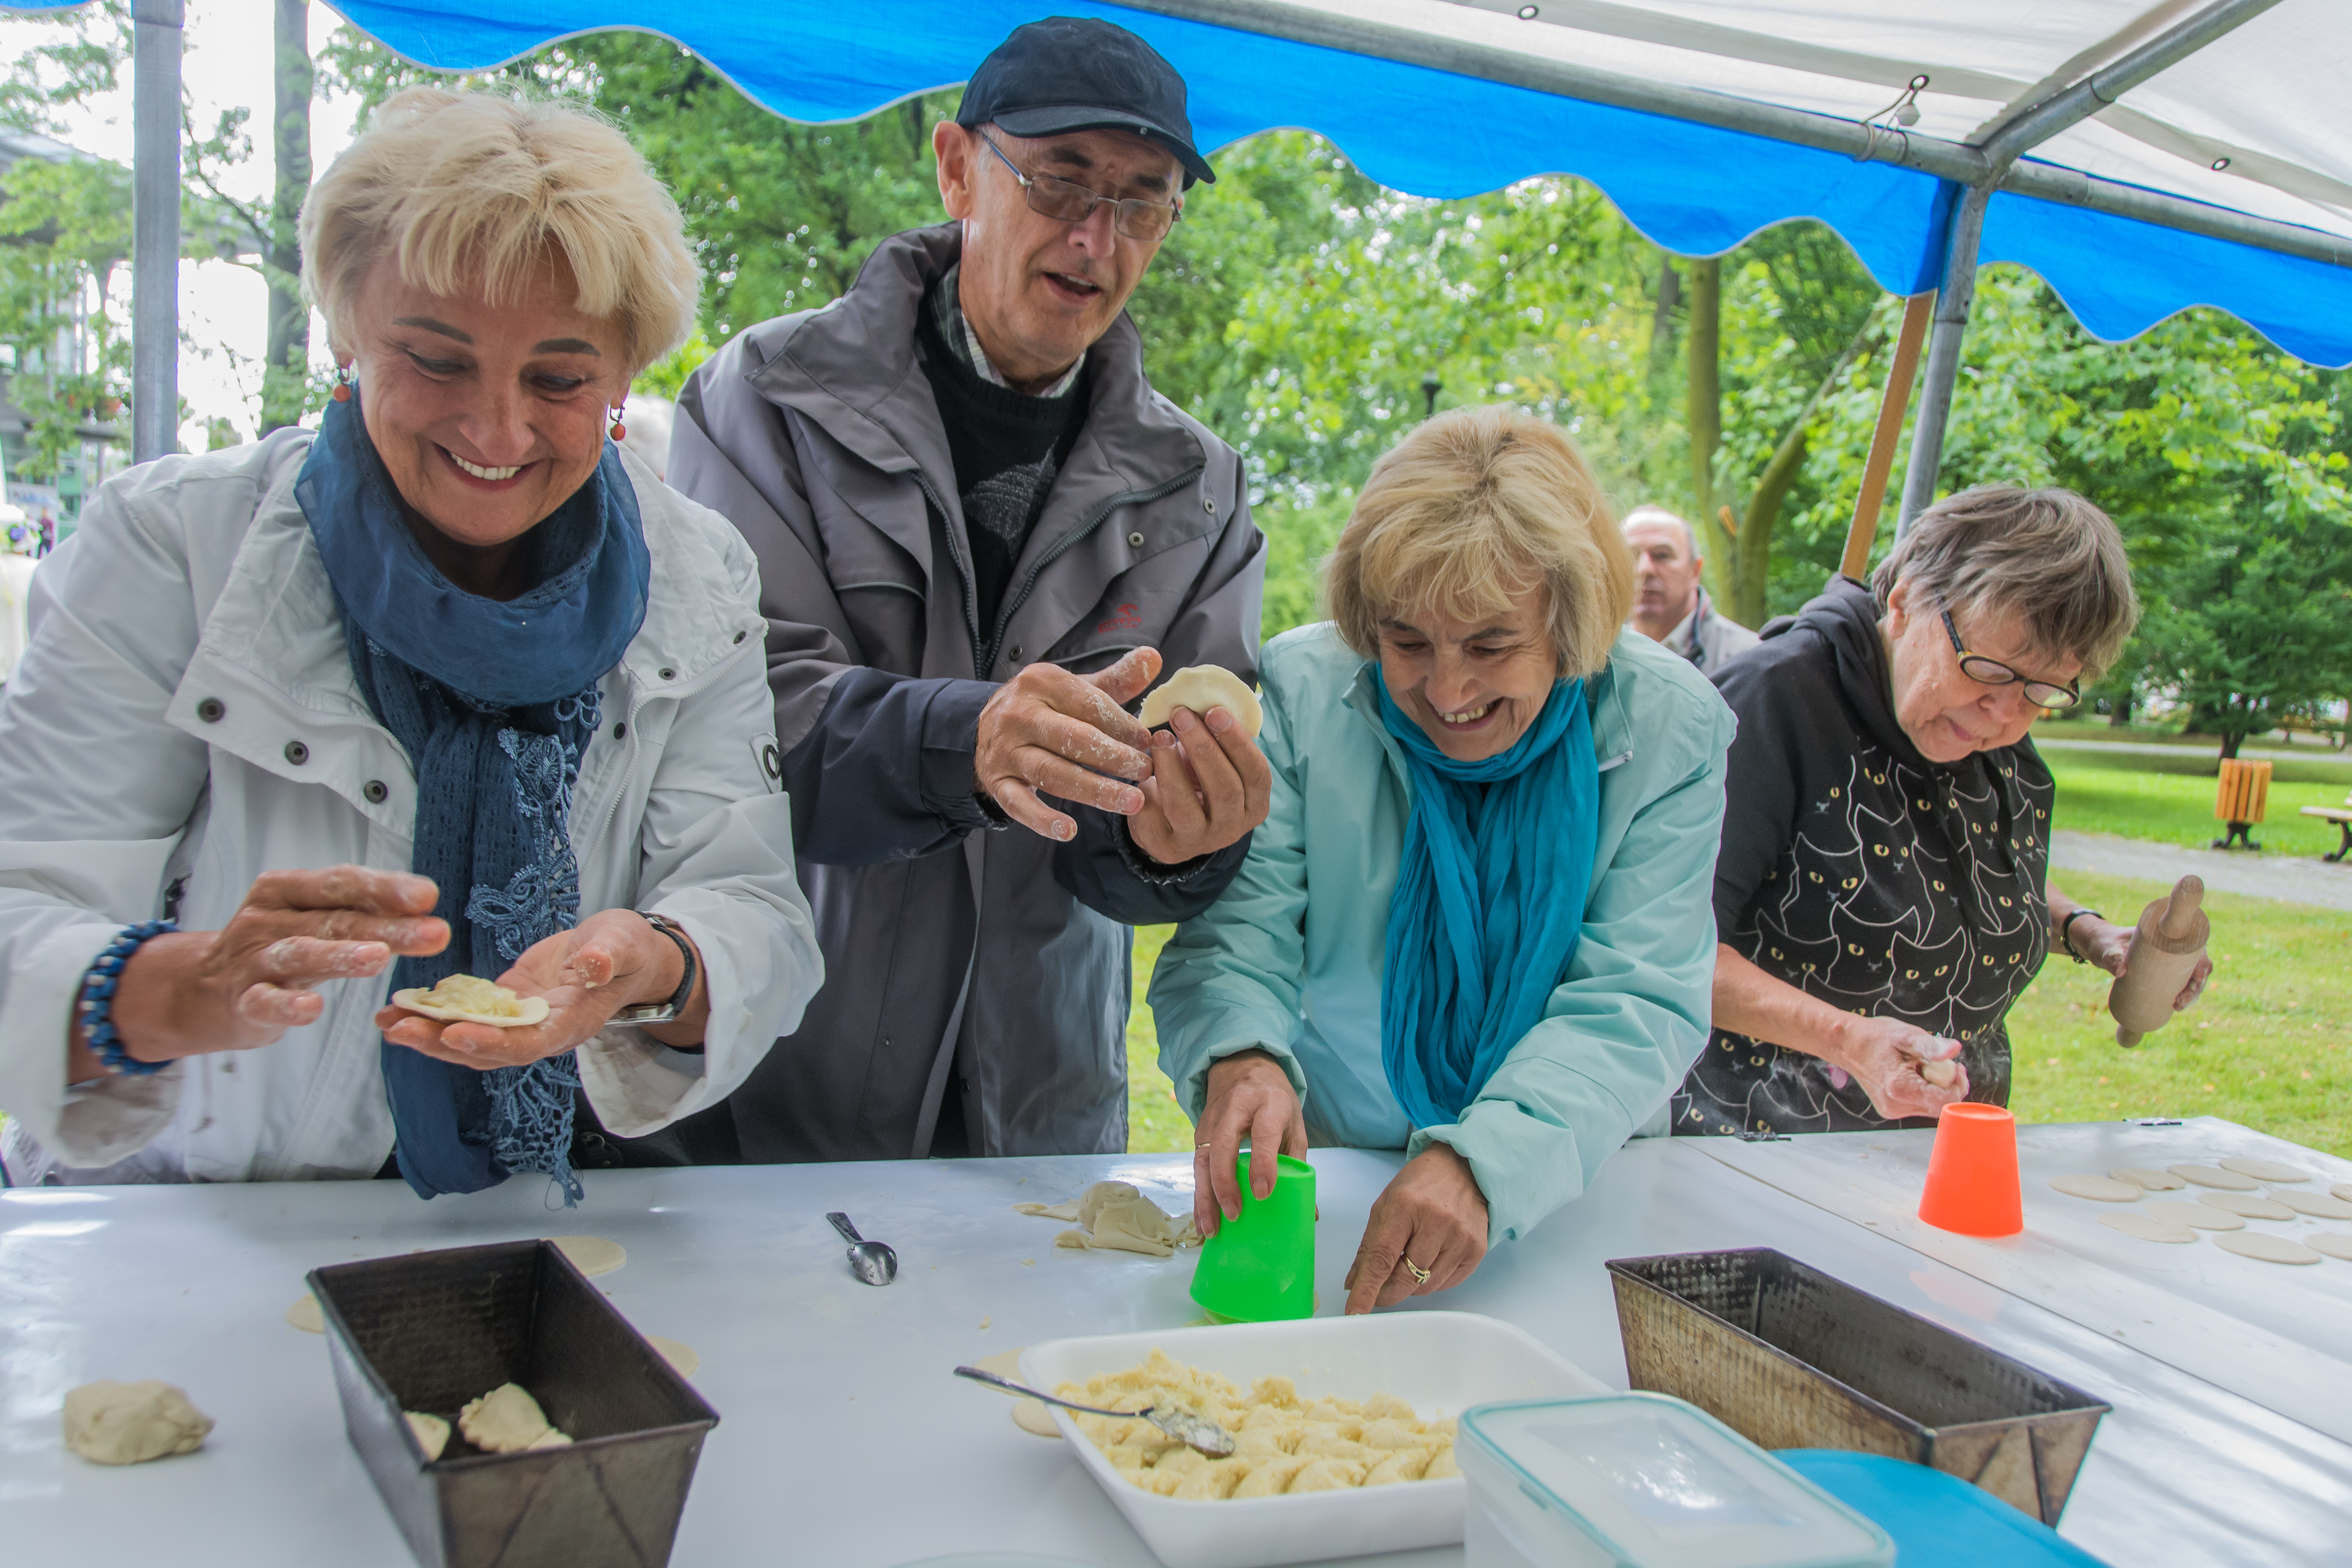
x=1478, y=924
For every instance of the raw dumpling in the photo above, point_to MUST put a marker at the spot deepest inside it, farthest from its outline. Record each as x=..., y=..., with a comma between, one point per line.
x=467, y=999
x=130, y=1423
x=507, y=1420
x=1200, y=688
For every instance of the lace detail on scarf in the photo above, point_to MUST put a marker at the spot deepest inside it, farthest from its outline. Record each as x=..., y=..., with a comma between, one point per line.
x=532, y=1108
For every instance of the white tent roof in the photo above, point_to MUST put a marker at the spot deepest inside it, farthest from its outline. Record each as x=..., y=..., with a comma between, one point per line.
x=2269, y=97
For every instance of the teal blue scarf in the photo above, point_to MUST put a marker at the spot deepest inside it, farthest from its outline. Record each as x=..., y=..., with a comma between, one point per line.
x=1489, y=900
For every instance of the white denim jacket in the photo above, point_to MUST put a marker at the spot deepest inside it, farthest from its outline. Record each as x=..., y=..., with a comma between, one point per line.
x=185, y=718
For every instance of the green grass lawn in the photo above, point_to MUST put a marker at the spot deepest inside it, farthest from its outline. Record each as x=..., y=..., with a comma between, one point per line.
x=2171, y=799
x=2269, y=1045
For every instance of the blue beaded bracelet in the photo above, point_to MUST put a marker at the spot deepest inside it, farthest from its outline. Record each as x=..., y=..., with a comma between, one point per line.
x=96, y=1003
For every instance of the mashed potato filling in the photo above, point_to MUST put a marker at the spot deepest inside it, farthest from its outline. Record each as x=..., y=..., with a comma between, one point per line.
x=1283, y=1445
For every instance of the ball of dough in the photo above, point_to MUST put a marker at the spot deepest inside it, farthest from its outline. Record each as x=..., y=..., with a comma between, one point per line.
x=506, y=1420
x=130, y=1423
x=1200, y=688
x=432, y=1432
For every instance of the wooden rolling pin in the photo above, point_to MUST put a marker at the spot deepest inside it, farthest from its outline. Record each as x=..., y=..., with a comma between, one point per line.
x=2165, y=952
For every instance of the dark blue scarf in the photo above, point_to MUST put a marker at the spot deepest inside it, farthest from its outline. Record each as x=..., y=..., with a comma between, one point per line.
x=494, y=702
x=1489, y=900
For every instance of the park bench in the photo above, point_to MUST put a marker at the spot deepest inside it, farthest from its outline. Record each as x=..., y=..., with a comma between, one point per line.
x=2342, y=816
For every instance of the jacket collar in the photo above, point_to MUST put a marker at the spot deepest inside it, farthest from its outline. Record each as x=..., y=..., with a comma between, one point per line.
x=852, y=369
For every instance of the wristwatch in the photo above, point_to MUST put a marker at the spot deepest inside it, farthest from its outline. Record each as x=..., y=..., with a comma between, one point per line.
x=665, y=1012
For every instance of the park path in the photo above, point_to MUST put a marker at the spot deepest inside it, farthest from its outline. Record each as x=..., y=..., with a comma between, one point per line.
x=2310, y=754
x=2298, y=880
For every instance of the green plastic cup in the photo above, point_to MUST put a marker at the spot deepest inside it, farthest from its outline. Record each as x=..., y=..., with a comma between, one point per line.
x=1260, y=1266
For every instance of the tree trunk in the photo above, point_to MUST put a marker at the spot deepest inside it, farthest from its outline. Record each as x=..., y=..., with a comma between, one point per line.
x=1662, y=319
x=1751, y=568
x=1705, y=407
x=2230, y=742
x=2119, y=718
x=287, y=374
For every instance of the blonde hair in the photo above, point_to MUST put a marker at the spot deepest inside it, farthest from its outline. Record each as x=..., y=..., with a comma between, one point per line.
x=476, y=190
x=1475, y=506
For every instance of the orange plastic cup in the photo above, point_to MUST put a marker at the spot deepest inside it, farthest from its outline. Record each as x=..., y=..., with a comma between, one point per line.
x=1972, y=1173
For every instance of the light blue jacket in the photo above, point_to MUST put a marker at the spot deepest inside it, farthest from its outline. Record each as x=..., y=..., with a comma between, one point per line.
x=1290, y=961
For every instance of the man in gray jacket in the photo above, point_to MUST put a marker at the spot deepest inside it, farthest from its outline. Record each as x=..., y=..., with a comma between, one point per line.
x=981, y=535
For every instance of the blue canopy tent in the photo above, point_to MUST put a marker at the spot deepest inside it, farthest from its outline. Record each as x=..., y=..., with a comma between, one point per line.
x=1703, y=132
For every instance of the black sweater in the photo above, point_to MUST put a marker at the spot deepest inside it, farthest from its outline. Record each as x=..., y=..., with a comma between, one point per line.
x=1862, y=873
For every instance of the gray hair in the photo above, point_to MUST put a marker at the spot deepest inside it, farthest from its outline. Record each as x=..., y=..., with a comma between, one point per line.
x=2049, y=557
x=1660, y=514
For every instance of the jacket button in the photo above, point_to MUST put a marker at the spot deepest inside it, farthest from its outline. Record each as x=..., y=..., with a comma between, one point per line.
x=1014, y=656
x=211, y=710
x=296, y=752
x=1210, y=507
x=620, y=731
x=741, y=635
x=670, y=675
x=375, y=792
x=1134, y=539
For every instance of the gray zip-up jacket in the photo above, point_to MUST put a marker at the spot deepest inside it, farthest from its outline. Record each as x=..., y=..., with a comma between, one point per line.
x=994, y=964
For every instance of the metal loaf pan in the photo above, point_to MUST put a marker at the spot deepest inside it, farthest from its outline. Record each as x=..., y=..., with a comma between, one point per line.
x=432, y=1330
x=1791, y=1358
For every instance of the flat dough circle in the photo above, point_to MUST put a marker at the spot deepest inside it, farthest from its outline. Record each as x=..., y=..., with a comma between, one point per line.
x=1201, y=687
x=2213, y=1176
x=2198, y=1217
x=2266, y=1169
x=590, y=1254
x=2147, y=1227
x=1003, y=1363
x=534, y=1011
x=2319, y=1206
x=2268, y=1247
x=305, y=1315
x=678, y=1353
x=2246, y=1204
x=2343, y=1190
x=2154, y=1181
x=1035, y=1419
x=2101, y=1189
x=2334, y=1243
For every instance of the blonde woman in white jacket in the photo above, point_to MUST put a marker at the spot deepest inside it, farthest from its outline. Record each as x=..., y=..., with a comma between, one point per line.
x=449, y=686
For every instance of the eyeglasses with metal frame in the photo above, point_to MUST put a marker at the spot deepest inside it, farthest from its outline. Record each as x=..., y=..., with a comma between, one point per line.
x=1068, y=202
x=1993, y=672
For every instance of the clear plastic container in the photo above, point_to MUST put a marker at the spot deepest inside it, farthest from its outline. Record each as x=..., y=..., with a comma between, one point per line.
x=1642, y=1480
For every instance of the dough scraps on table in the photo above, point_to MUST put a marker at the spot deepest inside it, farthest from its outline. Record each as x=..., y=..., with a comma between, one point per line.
x=1116, y=1215
x=2199, y=1216
x=2265, y=1169
x=2154, y=1181
x=111, y=1423
x=2268, y=1247
x=2149, y=1227
x=2214, y=1176
x=591, y=1254
x=2100, y=1189
x=305, y=1315
x=1284, y=1443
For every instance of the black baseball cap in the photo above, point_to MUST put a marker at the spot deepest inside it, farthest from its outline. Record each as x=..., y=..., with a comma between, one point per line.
x=1075, y=73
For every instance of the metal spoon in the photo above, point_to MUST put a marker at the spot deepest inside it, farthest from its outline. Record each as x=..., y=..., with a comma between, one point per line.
x=1195, y=1432
x=872, y=1261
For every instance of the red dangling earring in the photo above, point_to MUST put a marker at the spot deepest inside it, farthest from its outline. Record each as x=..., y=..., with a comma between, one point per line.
x=342, y=383
x=620, y=431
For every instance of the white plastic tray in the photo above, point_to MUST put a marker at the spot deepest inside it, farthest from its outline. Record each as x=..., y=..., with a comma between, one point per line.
x=1435, y=1360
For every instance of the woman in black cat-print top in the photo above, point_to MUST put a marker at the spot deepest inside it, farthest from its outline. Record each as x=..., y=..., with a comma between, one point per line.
x=1882, y=896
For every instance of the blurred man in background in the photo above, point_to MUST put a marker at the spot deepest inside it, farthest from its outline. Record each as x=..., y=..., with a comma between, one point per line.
x=1669, y=605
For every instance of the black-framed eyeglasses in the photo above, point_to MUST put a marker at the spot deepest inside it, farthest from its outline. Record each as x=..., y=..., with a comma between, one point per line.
x=1068, y=202
x=1993, y=672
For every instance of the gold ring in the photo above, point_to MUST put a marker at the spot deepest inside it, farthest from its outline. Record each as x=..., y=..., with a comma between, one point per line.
x=1420, y=1275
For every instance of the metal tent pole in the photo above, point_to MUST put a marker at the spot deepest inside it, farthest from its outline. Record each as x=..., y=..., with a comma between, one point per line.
x=2031, y=126
x=155, y=228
